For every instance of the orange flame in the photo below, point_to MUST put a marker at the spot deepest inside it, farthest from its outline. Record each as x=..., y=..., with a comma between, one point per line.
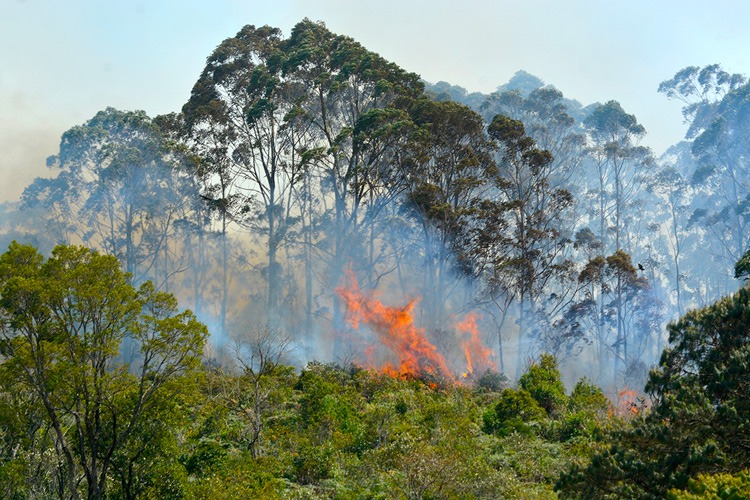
x=473, y=347
x=396, y=330
x=629, y=402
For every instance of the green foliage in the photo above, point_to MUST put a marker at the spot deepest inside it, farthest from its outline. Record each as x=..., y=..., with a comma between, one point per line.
x=588, y=397
x=542, y=381
x=492, y=381
x=312, y=463
x=205, y=456
x=588, y=411
x=100, y=395
x=700, y=417
x=65, y=323
x=610, y=119
x=717, y=486
x=742, y=268
x=239, y=477
x=512, y=412
x=331, y=431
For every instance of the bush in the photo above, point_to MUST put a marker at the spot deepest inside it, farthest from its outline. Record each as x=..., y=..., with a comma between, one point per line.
x=587, y=397
x=312, y=464
x=580, y=424
x=700, y=419
x=514, y=409
x=543, y=382
x=725, y=486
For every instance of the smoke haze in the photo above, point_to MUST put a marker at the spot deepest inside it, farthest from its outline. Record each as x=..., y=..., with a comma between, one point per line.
x=131, y=57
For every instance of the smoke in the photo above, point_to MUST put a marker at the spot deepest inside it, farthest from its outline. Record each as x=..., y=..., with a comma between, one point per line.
x=25, y=149
x=424, y=330
x=381, y=294
x=281, y=263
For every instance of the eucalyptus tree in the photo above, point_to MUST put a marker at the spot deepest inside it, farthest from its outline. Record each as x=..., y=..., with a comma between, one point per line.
x=623, y=171
x=197, y=228
x=554, y=123
x=453, y=171
x=550, y=120
x=98, y=354
x=620, y=166
x=238, y=115
x=701, y=90
x=617, y=314
x=715, y=106
x=444, y=91
x=529, y=250
x=674, y=195
x=119, y=187
x=636, y=315
x=346, y=87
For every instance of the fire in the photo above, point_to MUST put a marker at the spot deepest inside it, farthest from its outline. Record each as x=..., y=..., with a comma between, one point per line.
x=629, y=402
x=395, y=328
x=474, y=349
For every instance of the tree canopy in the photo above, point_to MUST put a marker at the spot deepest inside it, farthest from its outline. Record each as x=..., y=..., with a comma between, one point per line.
x=92, y=353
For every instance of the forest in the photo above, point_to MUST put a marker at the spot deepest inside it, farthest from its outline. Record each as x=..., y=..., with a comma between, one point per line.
x=324, y=277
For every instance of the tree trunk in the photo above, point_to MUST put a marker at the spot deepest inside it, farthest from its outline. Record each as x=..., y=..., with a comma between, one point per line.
x=521, y=336
x=224, y=274
x=308, y=269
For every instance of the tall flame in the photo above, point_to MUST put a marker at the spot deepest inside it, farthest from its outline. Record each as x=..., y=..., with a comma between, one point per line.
x=478, y=355
x=395, y=328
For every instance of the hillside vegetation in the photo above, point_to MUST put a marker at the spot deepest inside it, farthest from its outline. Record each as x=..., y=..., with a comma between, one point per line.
x=395, y=290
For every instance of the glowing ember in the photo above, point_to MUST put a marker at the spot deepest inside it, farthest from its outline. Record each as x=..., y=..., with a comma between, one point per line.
x=478, y=355
x=396, y=330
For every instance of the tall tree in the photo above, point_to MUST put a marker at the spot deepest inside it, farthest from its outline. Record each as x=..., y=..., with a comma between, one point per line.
x=718, y=115
x=445, y=188
x=619, y=312
x=345, y=86
x=550, y=120
x=530, y=253
x=620, y=166
x=214, y=178
x=65, y=323
x=554, y=123
x=119, y=187
x=245, y=115
x=674, y=194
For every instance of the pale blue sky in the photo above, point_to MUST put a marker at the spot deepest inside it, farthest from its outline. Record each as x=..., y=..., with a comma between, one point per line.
x=62, y=61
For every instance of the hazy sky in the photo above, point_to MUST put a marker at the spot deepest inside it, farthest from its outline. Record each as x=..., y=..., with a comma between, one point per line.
x=61, y=61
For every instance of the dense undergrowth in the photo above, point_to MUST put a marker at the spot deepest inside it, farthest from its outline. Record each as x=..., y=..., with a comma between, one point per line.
x=78, y=417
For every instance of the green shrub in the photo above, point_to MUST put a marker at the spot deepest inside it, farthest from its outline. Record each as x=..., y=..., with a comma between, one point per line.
x=207, y=455
x=587, y=412
x=700, y=419
x=723, y=486
x=312, y=464
x=543, y=382
x=580, y=424
x=491, y=381
x=588, y=397
x=513, y=411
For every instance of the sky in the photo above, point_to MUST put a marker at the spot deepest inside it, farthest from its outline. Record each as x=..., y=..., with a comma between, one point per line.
x=63, y=61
